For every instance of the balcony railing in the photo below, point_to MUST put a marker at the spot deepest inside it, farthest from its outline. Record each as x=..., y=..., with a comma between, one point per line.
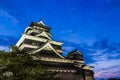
x=55, y=59
x=64, y=71
x=26, y=36
x=28, y=46
x=35, y=31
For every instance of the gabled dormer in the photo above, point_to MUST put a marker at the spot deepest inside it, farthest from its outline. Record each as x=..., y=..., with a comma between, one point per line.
x=40, y=25
x=47, y=47
x=44, y=35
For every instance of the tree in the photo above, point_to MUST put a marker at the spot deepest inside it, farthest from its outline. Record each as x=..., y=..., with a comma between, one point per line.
x=18, y=65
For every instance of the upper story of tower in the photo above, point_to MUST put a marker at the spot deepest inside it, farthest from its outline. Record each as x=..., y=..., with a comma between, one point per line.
x=35, y=36
x=38, y=29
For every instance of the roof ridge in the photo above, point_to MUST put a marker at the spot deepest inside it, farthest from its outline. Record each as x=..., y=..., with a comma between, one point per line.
x=41, y=22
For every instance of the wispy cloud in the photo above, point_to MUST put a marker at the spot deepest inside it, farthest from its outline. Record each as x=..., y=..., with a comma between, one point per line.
x=73, y=38
x=67, y=49
x=107, y=68
x=66, y=31
x=8, y=24
x=7, y=40
x=106, y=58
x=103, y=55
x=8, y=16
x=6, y=48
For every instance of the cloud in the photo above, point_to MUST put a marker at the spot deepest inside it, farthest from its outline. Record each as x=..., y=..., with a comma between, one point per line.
x=66, y=31
x=67, y=49
x=6, y=48
x=106, y=64
x=8, y=24
x=107, y=68
x=102, y=54
x=70, y=36
x=106, y=57
x=73, y=38
x=8, y=16
x=7, y=40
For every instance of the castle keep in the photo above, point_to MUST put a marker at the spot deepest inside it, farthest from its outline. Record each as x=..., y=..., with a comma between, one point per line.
x=36, y=39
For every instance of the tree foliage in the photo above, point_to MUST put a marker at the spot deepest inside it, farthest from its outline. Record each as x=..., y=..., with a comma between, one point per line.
x=18, y=65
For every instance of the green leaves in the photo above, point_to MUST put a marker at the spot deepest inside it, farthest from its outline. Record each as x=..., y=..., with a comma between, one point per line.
x=18, y=65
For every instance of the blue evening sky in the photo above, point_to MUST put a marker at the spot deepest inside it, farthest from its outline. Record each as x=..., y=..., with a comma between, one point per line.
x=91, y=26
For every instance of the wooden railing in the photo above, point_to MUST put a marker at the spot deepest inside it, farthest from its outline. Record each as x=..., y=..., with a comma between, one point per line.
x=55, y=59
x=64, y=71
x=28, y=46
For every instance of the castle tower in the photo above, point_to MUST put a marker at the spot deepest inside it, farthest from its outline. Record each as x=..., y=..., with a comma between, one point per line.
x=36, y=40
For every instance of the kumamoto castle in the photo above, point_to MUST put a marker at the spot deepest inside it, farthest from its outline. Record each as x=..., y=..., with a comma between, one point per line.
x=36, y=39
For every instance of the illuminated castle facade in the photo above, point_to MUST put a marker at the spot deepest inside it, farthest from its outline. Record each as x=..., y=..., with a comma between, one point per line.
x=37, y=40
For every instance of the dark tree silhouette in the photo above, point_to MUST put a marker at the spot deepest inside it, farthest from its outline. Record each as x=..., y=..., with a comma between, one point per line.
x=18, y=65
